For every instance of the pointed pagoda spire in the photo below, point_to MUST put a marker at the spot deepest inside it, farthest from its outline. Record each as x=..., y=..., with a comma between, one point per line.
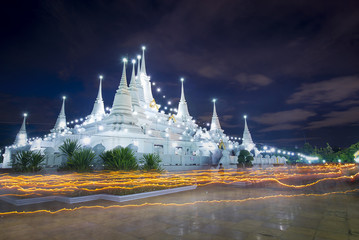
x=215, y=121
x=140, y=92
x=98, y=110
x=21, y=136
x=143, y=64
x=138, y=65
x=137, y=109
x=182, y=91
x=122, y=104
x=133, y=86
x=145, y=82
x=182, y=106
x=123, y=84
x=61, y=119
x=247, y=138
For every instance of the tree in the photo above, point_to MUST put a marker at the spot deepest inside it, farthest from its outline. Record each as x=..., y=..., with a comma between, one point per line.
x=307, y=149
x=245, y=158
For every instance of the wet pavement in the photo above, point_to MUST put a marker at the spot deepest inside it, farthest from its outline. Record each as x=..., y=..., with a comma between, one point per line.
x=258, y=211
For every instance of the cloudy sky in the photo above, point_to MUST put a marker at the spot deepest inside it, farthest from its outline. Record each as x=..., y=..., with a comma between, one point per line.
x=291, y=66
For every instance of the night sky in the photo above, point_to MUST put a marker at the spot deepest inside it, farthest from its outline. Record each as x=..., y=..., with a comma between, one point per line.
x=291, y=66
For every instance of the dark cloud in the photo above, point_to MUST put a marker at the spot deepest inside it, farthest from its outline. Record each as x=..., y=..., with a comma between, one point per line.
x=281, y=127
x=284, y=117
x=348, y=103
x=337, y=118
x=328, y=91
x=253, y=81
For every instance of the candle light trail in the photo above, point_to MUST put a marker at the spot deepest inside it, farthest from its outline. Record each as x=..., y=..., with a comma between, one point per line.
x=180, y=204
x=117, y=182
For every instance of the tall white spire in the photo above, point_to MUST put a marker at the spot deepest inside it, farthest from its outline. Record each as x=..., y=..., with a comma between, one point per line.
x=139, y=84
x=182, y=106
x=98, y=110
x=215, y=121
x=133, y=86
x=61, y=119
x=247, y=141
x=21, y=136
x=143, y=64
x=122, y=104
x=134, y=93
x=145, y=81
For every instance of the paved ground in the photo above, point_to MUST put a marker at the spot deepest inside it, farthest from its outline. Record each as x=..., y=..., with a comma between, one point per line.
x=334, y=216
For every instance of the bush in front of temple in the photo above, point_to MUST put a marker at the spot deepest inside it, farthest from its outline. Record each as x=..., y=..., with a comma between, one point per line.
x=27, y=161
x=119, y=159
x=151, y=162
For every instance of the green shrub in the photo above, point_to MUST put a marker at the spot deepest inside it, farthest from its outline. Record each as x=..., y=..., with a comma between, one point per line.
x=81, y=160
x=27, y=161
x=68, y=148
x=119, y=159
x=151, y=162
x=36, y=159
x=245, y=158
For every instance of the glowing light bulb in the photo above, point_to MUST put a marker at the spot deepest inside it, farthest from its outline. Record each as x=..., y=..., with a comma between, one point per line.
x=143, y=48
x=124, y=60
x=101, y=77
x=63, y=97
x=245, y=116
x=133, y=61
x=182, y=79
x=138, y=57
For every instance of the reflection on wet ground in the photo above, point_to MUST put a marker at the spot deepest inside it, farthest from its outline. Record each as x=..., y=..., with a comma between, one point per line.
x=260, y=210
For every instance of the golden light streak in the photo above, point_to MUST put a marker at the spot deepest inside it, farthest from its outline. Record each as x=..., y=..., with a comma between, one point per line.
x=121, y=182
x=180, y=204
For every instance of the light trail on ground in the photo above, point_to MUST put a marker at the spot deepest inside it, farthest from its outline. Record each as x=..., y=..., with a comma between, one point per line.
x=77, y=184
x=180, y=204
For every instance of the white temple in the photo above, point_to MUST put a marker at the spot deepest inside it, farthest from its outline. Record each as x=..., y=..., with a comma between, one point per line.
x=136, y=121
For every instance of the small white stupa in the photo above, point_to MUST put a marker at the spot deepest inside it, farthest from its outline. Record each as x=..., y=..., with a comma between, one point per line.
x=21, y=136
x=61, y=119
x=182, y=112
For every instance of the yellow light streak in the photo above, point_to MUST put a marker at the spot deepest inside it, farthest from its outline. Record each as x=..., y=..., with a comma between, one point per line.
x=180, y=204
x=109, y=181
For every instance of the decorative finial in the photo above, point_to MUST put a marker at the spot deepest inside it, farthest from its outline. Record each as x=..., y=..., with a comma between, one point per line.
x=124, y=60
x=143, y=48
x=133, y=61
x=63, y=97
x=25, y=114
x=214, y=100
x=245, y=116
x=182, y=79
x=138, y=57
x=101, y=77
